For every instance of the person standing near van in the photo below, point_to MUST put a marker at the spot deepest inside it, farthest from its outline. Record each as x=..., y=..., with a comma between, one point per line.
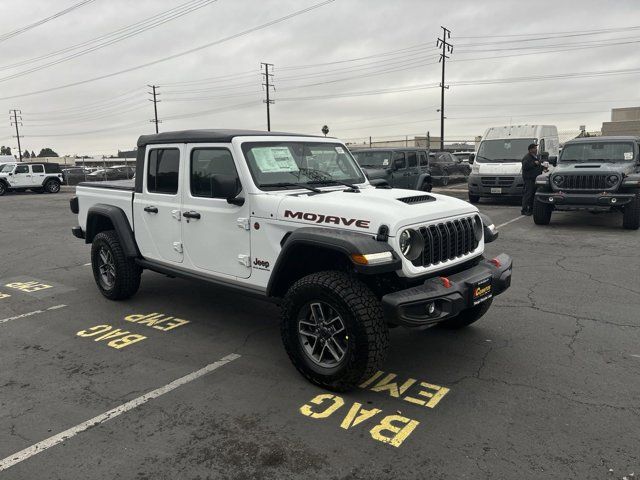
x=531, y=168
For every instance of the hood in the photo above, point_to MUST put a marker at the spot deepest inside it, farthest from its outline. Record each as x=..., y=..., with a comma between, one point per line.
x=595, y=168
x=371, y=207
x=490, y=168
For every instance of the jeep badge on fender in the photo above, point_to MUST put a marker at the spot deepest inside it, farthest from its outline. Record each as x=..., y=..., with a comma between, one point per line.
x=345, y=260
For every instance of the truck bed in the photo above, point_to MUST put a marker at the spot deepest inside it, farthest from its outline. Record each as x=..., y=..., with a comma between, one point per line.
x=117, y=193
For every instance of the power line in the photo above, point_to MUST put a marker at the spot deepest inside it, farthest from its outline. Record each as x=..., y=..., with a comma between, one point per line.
x=267, y=77
x=569, y=33
x=176, y=55
x=8, y=35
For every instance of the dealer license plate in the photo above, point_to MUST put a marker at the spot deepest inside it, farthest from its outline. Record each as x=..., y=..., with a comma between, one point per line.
x=481, y=291
x=496, y=190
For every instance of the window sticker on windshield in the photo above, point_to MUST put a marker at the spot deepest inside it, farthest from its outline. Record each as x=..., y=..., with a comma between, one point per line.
x=339, y=150
x=274, y=159
x=385, y=162
x=507, y=145
x=628, y=155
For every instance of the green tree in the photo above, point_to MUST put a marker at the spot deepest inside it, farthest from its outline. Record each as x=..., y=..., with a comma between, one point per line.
x=26, y=154
x=33, y=154
x=47, y=152
x=7, y=151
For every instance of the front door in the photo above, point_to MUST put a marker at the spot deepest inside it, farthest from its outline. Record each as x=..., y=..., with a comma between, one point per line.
x=216, y=233
x=156, y=210
x=399, y=162
x=21, y=177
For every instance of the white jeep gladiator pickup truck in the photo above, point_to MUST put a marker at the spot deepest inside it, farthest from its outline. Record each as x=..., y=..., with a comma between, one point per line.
x=292, y=218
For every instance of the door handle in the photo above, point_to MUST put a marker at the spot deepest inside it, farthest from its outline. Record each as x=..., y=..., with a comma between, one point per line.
x=151, y=209
x=191, y=214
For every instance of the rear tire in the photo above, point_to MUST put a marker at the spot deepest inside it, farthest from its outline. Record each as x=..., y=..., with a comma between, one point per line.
x=541, y=212
x=468, y=316
x=117, y=276
x=474, y=199
x=362, y=342
x=52, y=186
x=631, y=214
x=426, y=186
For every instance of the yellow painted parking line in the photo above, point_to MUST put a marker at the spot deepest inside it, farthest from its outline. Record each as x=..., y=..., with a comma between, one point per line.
x=29, y=314
x=54, y=440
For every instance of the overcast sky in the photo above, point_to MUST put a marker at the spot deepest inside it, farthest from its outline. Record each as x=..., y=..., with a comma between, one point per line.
x=397, y=37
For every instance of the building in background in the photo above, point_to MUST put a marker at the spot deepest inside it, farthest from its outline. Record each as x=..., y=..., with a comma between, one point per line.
x=624, y=121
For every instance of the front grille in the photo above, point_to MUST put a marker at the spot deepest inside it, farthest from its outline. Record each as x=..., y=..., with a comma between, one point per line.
x=446, y=241
x=584, y=182
x=497, y=181
x=417, y=199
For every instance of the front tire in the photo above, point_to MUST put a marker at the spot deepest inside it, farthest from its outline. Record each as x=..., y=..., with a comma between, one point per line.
x=333, y=330
x=3, y=188
x=468, y=316
x=631, y=214
x=117, y=276
x=52, y=186
x=541, y=212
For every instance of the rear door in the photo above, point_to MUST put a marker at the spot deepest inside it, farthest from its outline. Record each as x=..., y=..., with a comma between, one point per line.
x=412, y=170
x=156, y=210
x=37, y=175
x=216, y=234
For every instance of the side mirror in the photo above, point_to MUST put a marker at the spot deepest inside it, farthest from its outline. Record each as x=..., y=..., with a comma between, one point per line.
x=472, y=158
x=553, y=160
x=227, y=186
x=489, y=229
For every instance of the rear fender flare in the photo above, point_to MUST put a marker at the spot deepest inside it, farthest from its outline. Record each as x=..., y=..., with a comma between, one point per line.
x=117, y=217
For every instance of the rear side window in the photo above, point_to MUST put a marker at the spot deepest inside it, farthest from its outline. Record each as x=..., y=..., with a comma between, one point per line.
x=207, y=165
x=37, y=168
x=163, y=170
x=412, y=159
x=422, y=158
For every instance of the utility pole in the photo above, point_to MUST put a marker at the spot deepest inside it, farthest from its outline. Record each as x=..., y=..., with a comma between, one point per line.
x=446, y=48
x=15, y=121
x=267, y=85
x=155, y=104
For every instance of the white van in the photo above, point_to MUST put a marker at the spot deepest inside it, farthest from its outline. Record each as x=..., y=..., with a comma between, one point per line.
x=497, y=164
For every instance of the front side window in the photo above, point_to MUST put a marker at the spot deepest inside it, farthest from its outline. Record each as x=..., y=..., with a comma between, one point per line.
x=163, y=170
x=598, y=152
x=207, y=166
x=37, y=169
x=22, y=169
x=400, y=160
x=276, y=164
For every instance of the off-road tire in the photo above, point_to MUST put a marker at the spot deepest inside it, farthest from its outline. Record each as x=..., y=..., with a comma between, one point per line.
x=361, y=311
x=127, y=272
x=542, y=212
x=631, y=214
x=474, y=199
x=425, y=186
x=52, y=186
x=3, y=188
x=467, y=317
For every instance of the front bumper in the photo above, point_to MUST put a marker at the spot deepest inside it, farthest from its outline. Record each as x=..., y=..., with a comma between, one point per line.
x=483, y=189
x=584, y=200
x=409, y=307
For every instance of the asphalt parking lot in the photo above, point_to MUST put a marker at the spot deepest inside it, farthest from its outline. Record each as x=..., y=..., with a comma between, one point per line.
x=544, y=386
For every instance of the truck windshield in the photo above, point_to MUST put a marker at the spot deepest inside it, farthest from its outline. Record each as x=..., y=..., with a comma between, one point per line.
x=503, y=150
x=373, y=159
x=283, y=164
x=597, y=152
x=7, y=168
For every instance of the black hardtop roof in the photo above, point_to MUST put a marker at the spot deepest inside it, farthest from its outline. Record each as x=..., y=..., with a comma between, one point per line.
x=385, y=149
x=209, y=136
x=612, y=138
x=36, y=163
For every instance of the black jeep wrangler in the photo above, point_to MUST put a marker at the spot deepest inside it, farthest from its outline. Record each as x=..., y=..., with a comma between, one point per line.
x=595, y=174
x=399, y=167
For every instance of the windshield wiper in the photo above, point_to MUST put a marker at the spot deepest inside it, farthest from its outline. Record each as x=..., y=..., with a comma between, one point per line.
x=329, y=181
x=293, y=184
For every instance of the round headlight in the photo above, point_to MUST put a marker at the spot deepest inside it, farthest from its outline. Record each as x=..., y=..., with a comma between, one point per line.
x=558, y=180
x=411, y=244
x=477, y=228
x=612, y=180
